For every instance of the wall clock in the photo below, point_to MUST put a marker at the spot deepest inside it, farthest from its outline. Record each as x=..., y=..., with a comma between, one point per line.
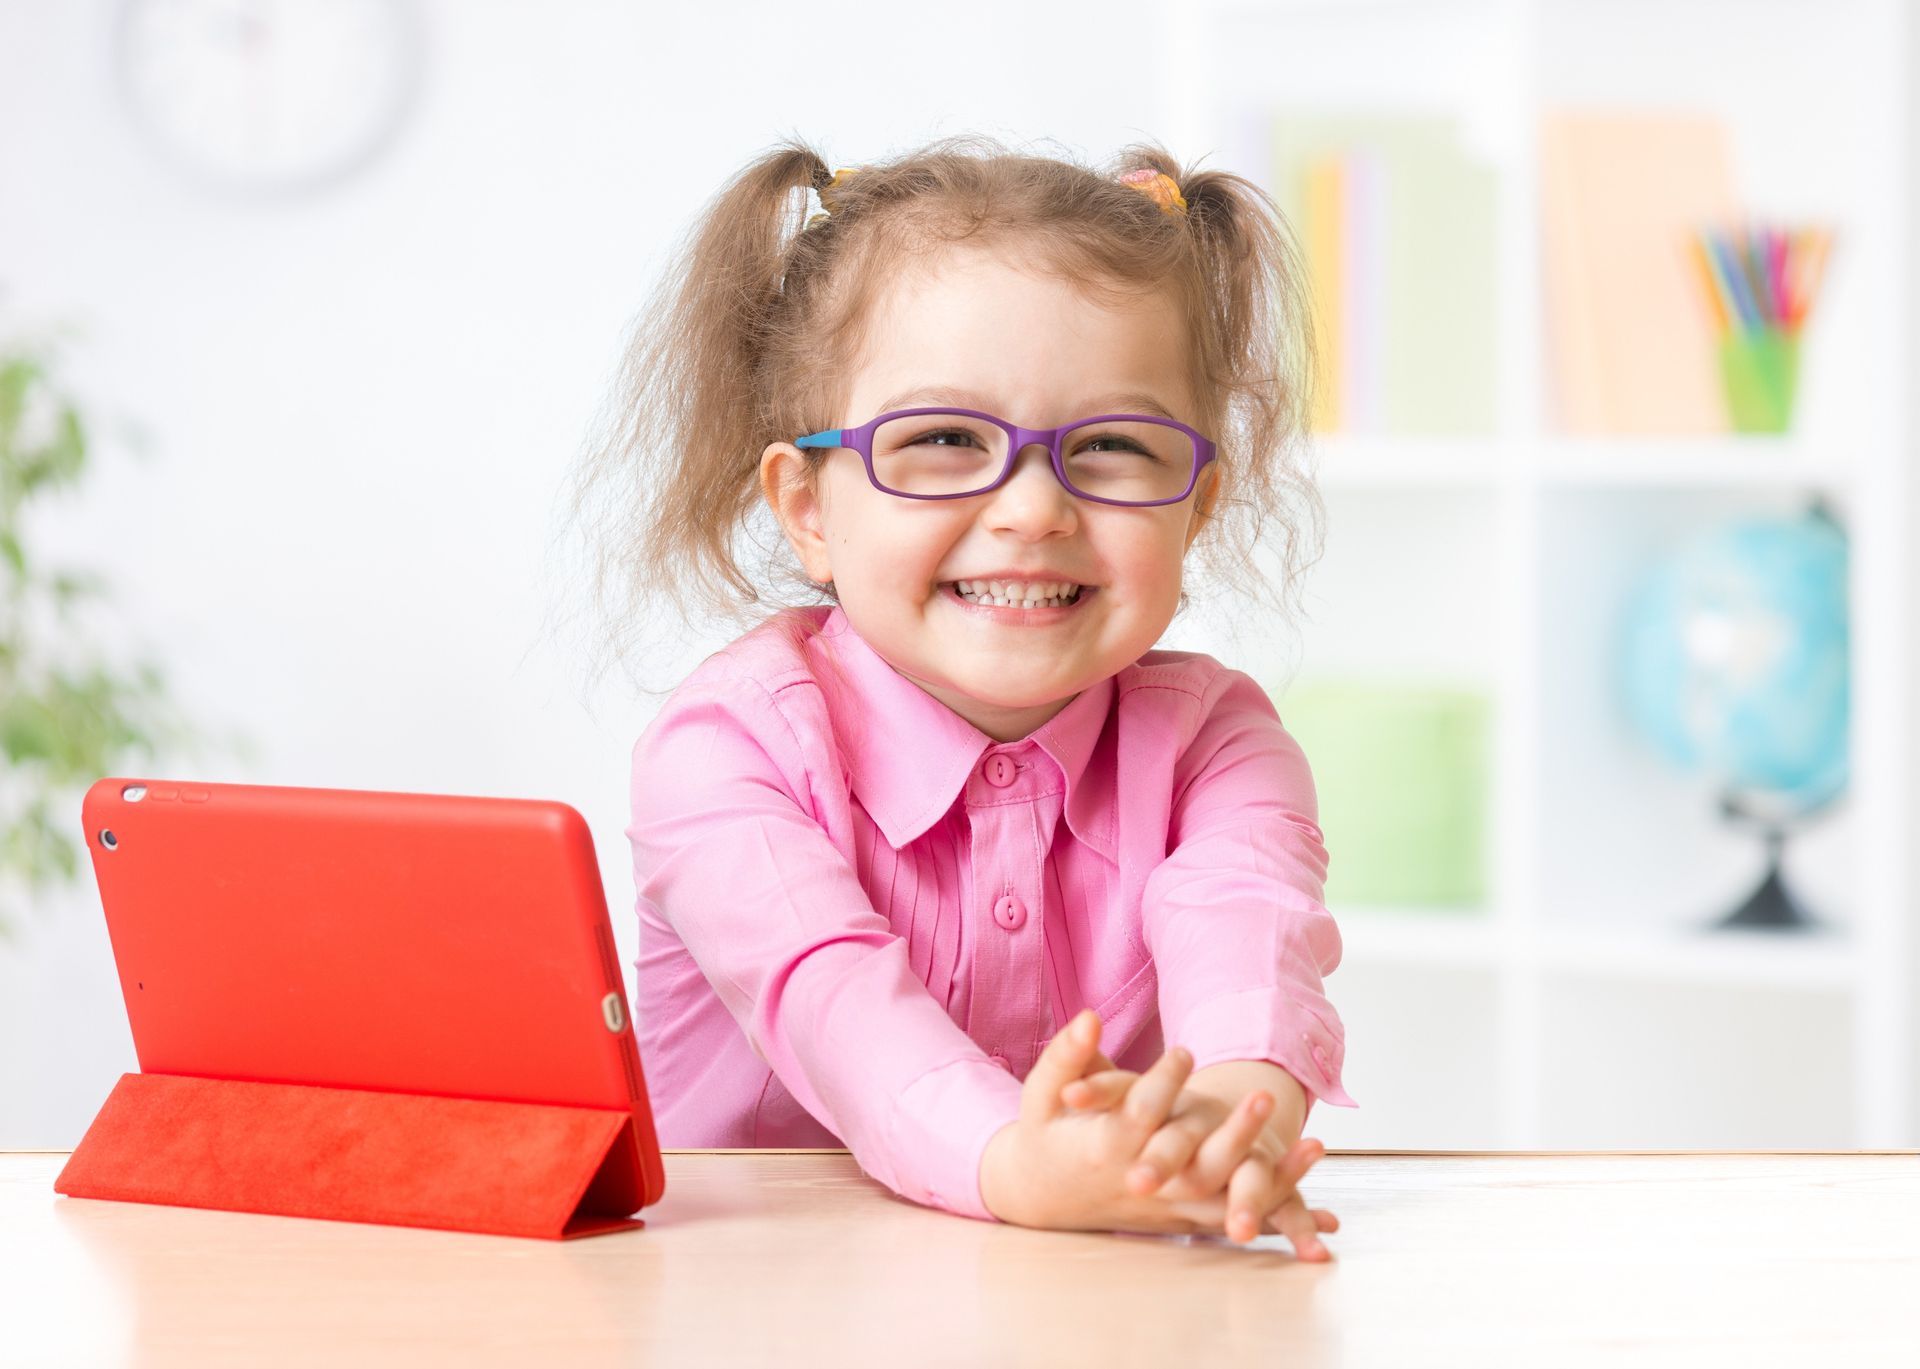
x=268, y=96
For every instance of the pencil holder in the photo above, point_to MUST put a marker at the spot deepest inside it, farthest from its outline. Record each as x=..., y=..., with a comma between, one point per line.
x=1760, y=369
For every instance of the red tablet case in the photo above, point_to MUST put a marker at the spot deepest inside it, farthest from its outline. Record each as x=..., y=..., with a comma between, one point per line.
x=367, y=1006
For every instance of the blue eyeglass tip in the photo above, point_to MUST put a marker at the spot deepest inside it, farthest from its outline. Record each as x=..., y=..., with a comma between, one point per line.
x=830, y=438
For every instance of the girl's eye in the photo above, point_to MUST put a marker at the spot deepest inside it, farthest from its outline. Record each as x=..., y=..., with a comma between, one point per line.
x=1104, y=446
x=940, y=437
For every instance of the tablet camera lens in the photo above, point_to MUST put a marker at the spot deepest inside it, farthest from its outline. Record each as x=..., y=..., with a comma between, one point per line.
x=108, y=839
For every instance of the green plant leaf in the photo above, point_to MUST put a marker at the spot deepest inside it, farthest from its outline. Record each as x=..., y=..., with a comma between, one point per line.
x=70, y=586
x=68, y=454
x=29, y=730
x=17, y=376
x=67, y=713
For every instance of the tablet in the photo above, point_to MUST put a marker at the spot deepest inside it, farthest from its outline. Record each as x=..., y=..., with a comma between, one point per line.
x=421, y=943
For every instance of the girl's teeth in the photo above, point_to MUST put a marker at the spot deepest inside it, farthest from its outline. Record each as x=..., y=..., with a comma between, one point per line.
x=1013, y=594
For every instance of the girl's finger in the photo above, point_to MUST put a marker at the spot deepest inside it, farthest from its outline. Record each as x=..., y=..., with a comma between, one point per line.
x=1065, y=1059
x=1299, y=1226
x=1251, y=1195
x=1323, y=1220
x=1301, y=1156
x=1221, y=1153
x=1167, y=1151
x=1102, y=1090
x=1152, y=1096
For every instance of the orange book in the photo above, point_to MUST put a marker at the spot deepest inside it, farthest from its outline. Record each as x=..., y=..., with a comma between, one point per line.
x=1622, y=194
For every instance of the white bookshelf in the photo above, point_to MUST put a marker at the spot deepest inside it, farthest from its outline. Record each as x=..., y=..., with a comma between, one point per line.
x=1585, y=1005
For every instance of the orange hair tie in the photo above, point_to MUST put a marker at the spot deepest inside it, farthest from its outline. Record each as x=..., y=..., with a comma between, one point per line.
x=1159, y=187
x=830, y=193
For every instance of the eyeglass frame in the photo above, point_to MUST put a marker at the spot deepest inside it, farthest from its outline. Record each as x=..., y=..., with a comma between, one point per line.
x=860, y=439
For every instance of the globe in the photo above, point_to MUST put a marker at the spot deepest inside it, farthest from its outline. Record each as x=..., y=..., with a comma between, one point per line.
x=1734, y=664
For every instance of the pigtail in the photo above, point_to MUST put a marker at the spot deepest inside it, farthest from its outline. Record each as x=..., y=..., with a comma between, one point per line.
x=669, y=488
x=1260, y=279
x=1259, y=360
x=1257, y=278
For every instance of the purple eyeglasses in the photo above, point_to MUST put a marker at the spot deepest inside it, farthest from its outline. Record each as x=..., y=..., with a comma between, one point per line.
x=1133, y=460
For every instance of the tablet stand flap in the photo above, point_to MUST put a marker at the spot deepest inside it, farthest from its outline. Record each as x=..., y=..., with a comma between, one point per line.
x=302, y=1150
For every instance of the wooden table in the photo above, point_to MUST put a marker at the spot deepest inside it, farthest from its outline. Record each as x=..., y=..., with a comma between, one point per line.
x=794, y=1257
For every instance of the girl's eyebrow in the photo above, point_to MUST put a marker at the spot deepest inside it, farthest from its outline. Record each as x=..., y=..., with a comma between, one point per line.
x=1120, y=402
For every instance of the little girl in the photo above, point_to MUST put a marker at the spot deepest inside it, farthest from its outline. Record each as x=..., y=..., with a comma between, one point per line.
x=904, y=854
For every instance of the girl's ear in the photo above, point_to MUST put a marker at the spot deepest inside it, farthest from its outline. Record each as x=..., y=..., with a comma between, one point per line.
x=1203, y=496
x=789, y=492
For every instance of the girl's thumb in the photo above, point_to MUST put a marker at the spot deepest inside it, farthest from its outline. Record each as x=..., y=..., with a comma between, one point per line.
x=1064, y=1060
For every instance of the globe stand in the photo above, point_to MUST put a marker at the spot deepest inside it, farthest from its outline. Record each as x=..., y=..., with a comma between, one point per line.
x=1771, y=905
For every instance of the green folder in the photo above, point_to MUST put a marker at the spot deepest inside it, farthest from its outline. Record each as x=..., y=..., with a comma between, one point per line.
x=1401, y=772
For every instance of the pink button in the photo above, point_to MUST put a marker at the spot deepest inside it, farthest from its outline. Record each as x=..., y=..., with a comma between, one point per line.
x=999, y=771
x=1009, y=912
x=1001, y=1061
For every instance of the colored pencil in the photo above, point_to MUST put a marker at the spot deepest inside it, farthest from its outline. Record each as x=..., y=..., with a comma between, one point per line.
x=1819, y=246
x=1774, y=245
x=1753, y=257
x=1709, y=283
x=1759, y=276
x=1736, y=282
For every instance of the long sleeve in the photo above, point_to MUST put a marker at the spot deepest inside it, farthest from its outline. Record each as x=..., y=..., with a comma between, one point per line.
x=729, y=853
x=1233, y=914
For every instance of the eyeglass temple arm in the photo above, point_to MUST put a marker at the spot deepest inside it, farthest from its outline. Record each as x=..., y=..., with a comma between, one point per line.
x=829, y=438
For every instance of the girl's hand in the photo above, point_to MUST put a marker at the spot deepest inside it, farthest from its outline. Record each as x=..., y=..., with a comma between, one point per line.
x=1207, y=1145
x=1066, y=1169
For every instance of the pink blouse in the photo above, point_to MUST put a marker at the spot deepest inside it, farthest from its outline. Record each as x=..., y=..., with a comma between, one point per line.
x=861, y=918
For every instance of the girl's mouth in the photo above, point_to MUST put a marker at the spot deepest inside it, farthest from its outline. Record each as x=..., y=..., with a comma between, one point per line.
x=1010, y=602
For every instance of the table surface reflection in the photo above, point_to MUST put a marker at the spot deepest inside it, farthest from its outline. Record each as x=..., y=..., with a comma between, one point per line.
x=795, y=1257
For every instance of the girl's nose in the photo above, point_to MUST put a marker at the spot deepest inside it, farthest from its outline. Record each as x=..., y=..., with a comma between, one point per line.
x=1033, y=500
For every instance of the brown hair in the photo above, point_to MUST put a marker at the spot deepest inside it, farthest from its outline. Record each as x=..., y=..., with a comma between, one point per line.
x=751, y=333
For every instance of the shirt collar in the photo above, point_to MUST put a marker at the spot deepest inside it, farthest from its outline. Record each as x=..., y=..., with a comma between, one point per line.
x=909, y=755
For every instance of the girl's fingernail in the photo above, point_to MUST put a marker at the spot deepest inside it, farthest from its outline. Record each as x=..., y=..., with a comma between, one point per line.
x=1260, y=1104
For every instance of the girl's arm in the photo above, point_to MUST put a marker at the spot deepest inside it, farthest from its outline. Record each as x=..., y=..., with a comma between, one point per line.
x=729, y=853
x=1233, y=915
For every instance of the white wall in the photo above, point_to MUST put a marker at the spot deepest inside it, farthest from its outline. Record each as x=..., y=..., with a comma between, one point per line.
x=363, y=405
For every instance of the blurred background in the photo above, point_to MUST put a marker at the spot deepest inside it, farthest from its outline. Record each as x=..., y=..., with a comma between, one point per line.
x=1609, y=675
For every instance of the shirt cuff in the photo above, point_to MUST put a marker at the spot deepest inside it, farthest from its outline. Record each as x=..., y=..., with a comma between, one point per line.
x=941, y=1125
x=1268, y=1024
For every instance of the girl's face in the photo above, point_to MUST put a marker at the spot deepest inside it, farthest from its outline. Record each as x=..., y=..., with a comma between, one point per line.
x=976, y=331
